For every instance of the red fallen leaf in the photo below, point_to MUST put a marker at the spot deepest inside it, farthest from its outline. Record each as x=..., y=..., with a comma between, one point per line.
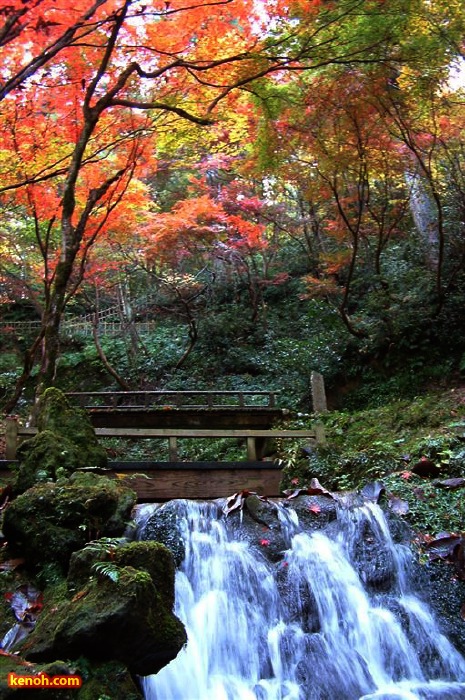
x=406, y=475
x=314, y=508
x=264, y=543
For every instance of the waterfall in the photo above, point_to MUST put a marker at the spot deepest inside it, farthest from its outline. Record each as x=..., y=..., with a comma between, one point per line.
x=305, y=627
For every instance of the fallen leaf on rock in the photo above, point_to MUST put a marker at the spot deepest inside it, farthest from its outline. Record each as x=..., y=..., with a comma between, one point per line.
x=79, y=595
x=314, y=489
x=449, y=546
x=314, y=508
x=237, y=500
x=442, y=547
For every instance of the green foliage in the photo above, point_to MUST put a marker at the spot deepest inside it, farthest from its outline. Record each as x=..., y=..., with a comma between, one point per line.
x=431, y=509
x=108, y=570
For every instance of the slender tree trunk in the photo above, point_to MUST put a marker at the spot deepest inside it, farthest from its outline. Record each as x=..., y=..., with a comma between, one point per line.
x=104, y=359
x=425, y=216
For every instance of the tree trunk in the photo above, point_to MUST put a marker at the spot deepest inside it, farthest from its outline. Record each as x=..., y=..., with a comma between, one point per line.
x=425, y=217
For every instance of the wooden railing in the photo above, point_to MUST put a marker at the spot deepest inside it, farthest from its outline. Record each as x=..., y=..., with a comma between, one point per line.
x=15, y=434
x=177, y=399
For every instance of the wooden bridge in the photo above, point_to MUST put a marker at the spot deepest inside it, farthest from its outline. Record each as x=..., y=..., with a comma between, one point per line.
x=172, y=416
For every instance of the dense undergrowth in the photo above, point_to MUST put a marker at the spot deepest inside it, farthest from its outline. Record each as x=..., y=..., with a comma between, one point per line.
x=389, y=406
x=386, y=444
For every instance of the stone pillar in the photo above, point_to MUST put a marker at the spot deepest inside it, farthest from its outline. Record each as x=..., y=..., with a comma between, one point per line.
x=11, y=436
x=318, y=393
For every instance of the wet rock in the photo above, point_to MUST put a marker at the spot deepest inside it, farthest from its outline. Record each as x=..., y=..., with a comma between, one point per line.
x=314, y=512
x=165, y=526
x=50, y=521
x=258, y=524
x=445, y=594
x=118, y=615
x=299, y=602
x=373, y=560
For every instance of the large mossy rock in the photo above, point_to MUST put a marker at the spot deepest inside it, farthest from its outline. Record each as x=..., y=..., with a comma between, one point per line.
x=152, y=557
x=120, y=613
x=50, y=521
x=65, y=442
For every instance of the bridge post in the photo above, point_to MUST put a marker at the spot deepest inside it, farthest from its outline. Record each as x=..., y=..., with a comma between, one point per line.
x=251, y=449
x=173, y=449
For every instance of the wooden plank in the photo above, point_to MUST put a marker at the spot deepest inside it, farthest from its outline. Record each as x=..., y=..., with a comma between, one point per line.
x=184, y=433
x=200, y=484
x=200, y=433
x=155, y=467
x=150, y=467
x=194, y=480
x=80, y=396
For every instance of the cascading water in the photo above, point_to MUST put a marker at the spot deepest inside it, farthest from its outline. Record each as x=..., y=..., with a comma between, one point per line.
x=304, y=628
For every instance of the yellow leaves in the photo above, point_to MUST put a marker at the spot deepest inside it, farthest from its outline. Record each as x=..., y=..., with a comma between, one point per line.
x=319, y=287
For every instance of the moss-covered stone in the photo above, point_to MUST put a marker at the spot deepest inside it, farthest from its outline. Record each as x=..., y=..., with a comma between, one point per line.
x=65, y=442
x=152, y=557
x=52, y=520
x=123, y=619
x=108, y=681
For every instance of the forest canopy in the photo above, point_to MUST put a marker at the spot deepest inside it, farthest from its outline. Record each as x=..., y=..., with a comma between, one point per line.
x=184, y=148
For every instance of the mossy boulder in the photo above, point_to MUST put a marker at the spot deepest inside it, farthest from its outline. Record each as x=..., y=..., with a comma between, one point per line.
x=66, y=441
x=50, y=521
x=122, y=617
x=152, y=557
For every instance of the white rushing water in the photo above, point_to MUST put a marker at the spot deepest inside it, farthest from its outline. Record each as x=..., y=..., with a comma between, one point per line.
x=303, y=629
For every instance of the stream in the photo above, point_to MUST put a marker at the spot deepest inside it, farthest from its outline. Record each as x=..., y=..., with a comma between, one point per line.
x=306, y=627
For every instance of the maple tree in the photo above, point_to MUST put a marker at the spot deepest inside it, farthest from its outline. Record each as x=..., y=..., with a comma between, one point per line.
x=91, y=90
